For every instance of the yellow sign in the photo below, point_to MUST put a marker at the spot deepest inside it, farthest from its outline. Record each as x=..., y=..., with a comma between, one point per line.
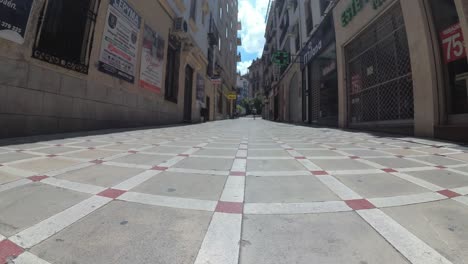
x=232, y=96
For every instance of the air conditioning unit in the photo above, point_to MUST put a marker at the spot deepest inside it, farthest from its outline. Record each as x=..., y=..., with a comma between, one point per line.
x=180, y=27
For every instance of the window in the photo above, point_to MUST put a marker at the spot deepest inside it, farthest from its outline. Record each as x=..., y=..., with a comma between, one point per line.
x=227, y=33
x=219, y=44
x=172, y=70
x=220, y=12
x=193, y=10
x=323, y=6
x=227, y=8
x=65, y=33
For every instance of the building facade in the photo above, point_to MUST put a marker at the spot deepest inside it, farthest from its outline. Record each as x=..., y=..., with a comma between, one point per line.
x=387, y=65
x=402, y=66
x=83, y=65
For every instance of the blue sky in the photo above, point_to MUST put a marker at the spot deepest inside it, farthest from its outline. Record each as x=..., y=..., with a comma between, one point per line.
x=252, y=15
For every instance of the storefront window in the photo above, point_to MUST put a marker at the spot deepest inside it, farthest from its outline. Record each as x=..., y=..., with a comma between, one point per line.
x=452, y=50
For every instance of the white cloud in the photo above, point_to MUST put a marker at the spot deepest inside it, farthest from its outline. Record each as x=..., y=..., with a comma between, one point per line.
x=243, y=66
x=252, y=15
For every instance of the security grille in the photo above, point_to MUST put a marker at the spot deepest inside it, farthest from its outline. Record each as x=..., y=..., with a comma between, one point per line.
x=379, y=79
x=65, y=33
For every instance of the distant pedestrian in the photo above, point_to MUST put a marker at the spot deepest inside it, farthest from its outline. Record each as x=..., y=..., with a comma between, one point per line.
x=254, y=112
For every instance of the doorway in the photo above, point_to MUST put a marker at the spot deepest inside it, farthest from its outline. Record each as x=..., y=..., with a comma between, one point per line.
x=188, y=94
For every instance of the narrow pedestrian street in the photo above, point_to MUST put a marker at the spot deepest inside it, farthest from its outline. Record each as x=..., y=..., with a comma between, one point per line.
x=236, y=191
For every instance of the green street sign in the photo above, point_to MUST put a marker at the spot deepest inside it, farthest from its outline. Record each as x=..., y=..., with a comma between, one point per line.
x=281, y=58
x=355, y=7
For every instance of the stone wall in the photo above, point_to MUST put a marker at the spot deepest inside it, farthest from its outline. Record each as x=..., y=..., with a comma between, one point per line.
x=37, y=97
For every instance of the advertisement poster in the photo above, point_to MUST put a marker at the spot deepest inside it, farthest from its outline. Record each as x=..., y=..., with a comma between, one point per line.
x=119, y=43
x=453, y=43
x=14, y=16
x=152, y=59
x=200, y=89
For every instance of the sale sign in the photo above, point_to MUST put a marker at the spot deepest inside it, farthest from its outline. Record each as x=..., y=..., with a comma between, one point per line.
x=453, y=43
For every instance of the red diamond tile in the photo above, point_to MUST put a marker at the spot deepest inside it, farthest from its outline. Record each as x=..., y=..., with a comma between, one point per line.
x=289, y=149
x=360, y=204
x=91, y=148
x=449, y=193
x=237, y=173
x=389, y=170
x=51, y=156
x=319, y=173
x=354, y=157
x=441, y=167
x=229, y=207
x=399, y=156
x=58, y=145
x=9, y=250
x=132, y=151
x=300, y=158
x=159, y=168
x=97, y=161
x=183, y=155
x=38, y=178
x=111, y=193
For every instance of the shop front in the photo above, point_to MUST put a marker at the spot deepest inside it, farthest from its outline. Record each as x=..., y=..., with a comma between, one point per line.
x=318, y=64
x=451, y=55
x=402, y=66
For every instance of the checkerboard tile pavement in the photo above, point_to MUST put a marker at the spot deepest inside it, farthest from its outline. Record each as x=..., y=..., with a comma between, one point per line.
x=210, y=189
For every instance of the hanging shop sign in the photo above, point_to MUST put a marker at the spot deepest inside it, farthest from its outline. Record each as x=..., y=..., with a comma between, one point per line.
x=14, y=17
x=119, y=42
x=453, y=43
x=200, y=89
x=355, y=7
x=320, y=40
x=152, y=58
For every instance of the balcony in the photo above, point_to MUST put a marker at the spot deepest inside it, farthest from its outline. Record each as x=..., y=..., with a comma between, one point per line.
x=239, y=41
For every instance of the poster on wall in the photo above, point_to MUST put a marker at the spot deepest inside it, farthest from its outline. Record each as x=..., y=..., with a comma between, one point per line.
x=119, y=42
x=14, y=16
x=201, y=89
x=152, y=59
x=453, y=43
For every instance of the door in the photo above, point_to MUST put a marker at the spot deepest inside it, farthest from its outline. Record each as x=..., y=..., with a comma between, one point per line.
x=188, y=94
x=208, y=108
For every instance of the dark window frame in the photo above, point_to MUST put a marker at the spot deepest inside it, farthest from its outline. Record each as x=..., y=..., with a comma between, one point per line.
x=193, y=10
x=65, y=33
x=171, y=86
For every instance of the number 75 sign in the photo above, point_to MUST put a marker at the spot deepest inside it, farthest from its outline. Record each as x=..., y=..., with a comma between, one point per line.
x=453, y=43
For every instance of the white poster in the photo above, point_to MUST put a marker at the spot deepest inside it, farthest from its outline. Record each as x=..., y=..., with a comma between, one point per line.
x=152, y=59
x=119, y=44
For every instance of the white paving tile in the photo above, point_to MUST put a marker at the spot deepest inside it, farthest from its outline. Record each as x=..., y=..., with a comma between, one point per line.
x=43, y=230
x=407, y=199
x=296, y=208
x=414, y=249
x=222, y=240
x=167, y=201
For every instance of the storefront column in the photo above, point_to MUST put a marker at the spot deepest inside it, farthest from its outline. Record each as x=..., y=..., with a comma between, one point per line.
x=462, y=8
x=423, y=68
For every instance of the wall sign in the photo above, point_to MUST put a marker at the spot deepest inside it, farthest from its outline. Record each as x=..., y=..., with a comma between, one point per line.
x=14, y=16
x=453, y=43
x=320, y=40
x=152, y=58
x=119, y=42
x=355, y=7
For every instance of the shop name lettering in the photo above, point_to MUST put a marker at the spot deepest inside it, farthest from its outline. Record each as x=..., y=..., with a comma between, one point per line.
x=355, y=7
x=126, y=9
x=8, y=3
x=312, y=51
